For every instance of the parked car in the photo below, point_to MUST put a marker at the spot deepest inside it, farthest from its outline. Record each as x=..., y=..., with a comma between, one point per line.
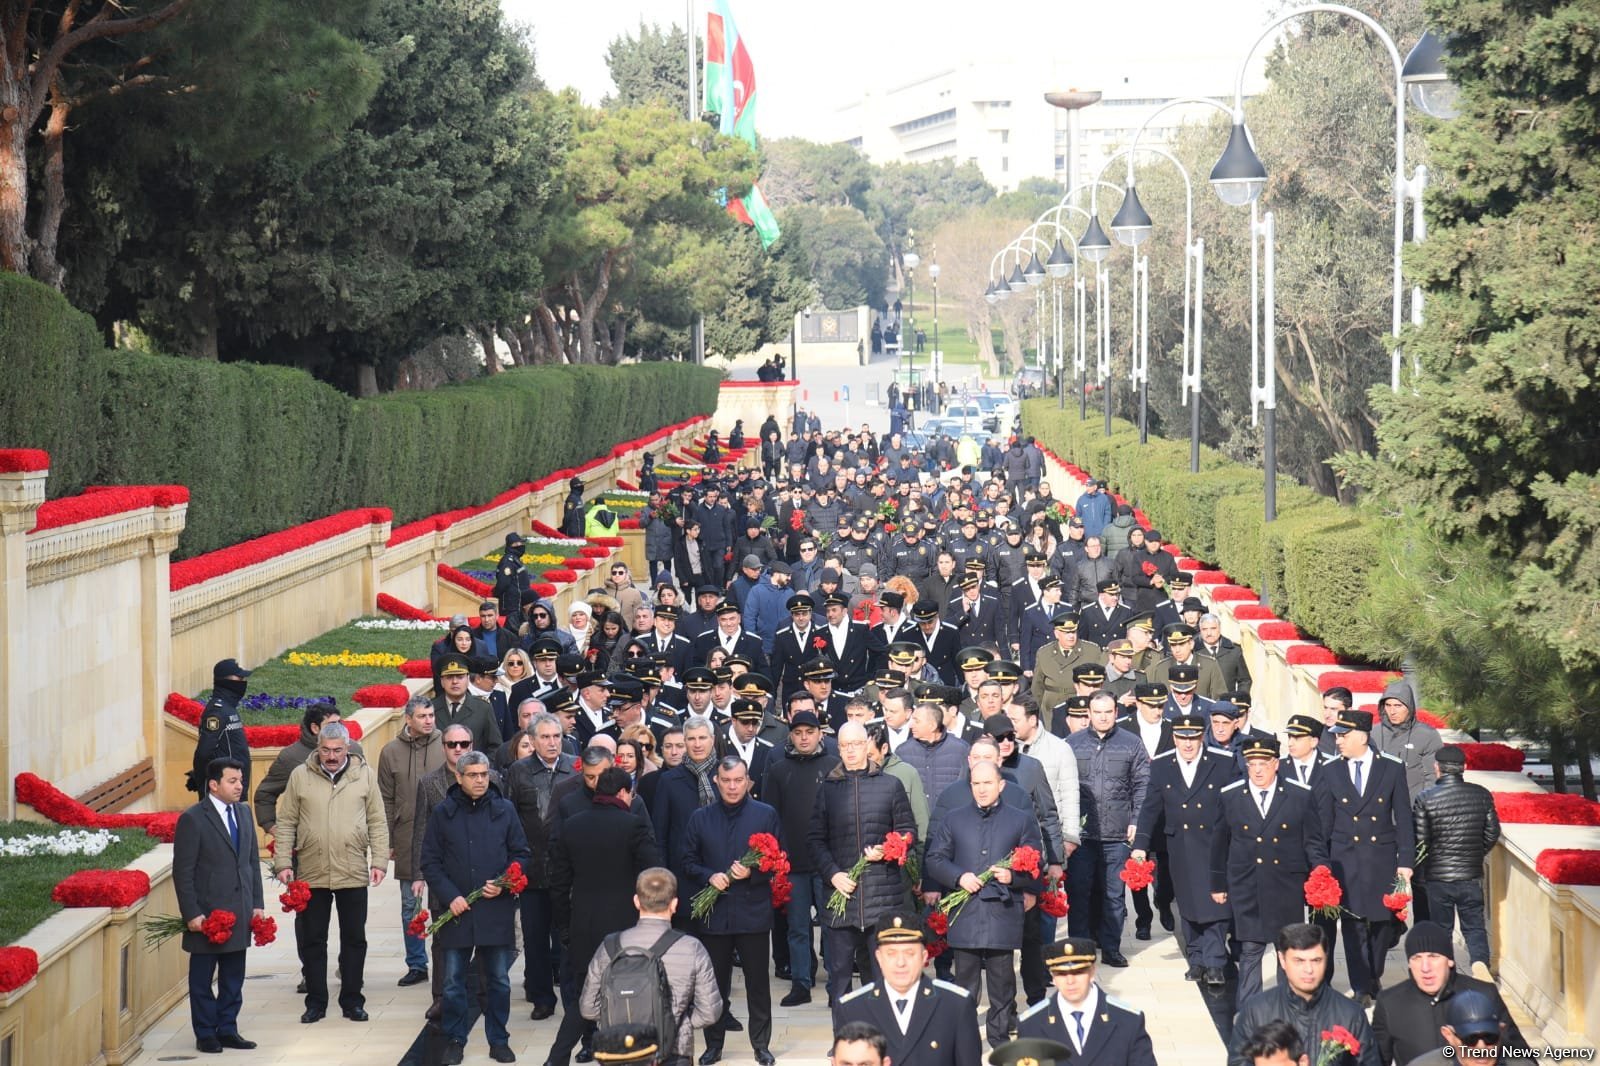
x=1003, y=409
x=973, y=418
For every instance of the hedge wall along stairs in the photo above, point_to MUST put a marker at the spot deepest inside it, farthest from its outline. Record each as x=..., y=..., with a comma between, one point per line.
x=1315, y=557
x=265, y=447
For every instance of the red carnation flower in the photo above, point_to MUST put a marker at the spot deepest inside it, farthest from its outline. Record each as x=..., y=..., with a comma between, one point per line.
x=1137, y=875
x=418, y=926
x=514, y=879
x=1026, y=860
x=896, y=846
x=1054, y=903
x=264, y=929
x=296, y=898
x=819, y=642
x=1148, y=568
x=938, y=923
x=218, y=926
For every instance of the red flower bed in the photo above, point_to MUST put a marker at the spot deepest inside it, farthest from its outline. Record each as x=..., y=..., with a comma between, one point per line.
x=545, y=531
x=1233, y=594
x=593, y=551
x=23, y=460
x=560, y=576
x=1312, y=655
x=1546, y=808
x=1357, y=680
x=628, y=523
x=416, y=668
x=466, y=581
x=1208, y=577
x=1493, y=757
x=100, y=502
x=102, y=888
x=1279, y=631
x=257, y=736
x=578, y=562
x=401, y=609
x=61, y=808
x=1254, y=612
x=1569, y=866
x=543, y=589
x=18, y=966
x=606, y=542
x=382, y=695
x=252, y=552
x=626, y=486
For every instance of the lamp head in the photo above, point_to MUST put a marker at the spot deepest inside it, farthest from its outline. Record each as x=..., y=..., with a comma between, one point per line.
x=911, y=259
x=1059, y=265
x=1033, y=273
x=1131, y=223
x=1016, y=281
x=1095, y=245
x=1427, y=84
x=989, y=294
x=1239, y=176
x=933, y=271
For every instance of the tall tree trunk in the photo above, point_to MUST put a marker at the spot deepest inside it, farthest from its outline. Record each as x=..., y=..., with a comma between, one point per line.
x=366, y=380
x=1558, y=761
x=589, y=310
x=45, y=265
x=15, y=247
x=1585, y=767
x=491, y=356
x=619, y=336
x=513, y=343
x=551, y=349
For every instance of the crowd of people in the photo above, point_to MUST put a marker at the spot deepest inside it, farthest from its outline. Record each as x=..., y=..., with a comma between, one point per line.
x=948, y=697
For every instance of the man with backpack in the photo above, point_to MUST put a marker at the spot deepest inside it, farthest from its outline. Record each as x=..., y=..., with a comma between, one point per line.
x=654, y=975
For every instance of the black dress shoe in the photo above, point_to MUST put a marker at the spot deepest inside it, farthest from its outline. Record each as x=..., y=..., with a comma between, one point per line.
x=300, y=989
x=1192, y=973
x=1214, y=977
x=783, y=973
x=796, y=997
x=765, y=1058
x=543, y=1011
x=209, y=1044
x=312, y=1014
x=502, y=1053
x=412, y=977
x=1141, y=932
x=1114, y=958
x=585, y=1054
x=1167, y=922
x=453, y=1053
x=730, y=1024
x=356, y=1014
x=710, y=1055
x=235, y=1041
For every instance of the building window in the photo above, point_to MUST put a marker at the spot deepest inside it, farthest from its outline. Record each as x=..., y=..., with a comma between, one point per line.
x=937, y=119
x=1005, y=164
x=1005, y=136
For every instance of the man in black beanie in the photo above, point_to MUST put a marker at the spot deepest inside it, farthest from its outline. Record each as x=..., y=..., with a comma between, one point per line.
x=221, y=728
x=1407, y=1017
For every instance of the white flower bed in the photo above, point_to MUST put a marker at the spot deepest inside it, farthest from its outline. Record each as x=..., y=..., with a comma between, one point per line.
x=66, y=842
x=401, y=624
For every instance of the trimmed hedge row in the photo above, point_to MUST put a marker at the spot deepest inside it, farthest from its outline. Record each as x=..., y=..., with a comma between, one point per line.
x=1316, y=557
x=265, y=447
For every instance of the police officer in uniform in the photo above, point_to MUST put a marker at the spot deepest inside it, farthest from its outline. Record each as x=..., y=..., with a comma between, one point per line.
x=512, y=585
x=1365, y=809
x=1267, y=841
x=221, y=728
x=908, y=555
x=1100, y=1029
x=1182, y=802
x=926, y=1021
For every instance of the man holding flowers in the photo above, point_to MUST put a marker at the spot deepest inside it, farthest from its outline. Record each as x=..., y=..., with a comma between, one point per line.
x=215, y=867
x=718, y=843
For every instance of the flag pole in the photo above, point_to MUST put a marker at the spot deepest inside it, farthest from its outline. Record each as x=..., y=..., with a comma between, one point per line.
x=697, y=333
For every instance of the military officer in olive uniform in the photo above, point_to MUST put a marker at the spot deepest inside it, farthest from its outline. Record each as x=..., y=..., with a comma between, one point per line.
x=1182, y=803
x=1102, y=1030
x=1365, y=808
x=1052, y=668
x=926, y=1022
x=1267, y=841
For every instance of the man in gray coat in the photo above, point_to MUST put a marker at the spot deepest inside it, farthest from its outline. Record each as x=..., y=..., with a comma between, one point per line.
x=215, y=866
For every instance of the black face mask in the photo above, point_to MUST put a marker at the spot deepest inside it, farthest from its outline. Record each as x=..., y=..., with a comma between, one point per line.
x=229, y=684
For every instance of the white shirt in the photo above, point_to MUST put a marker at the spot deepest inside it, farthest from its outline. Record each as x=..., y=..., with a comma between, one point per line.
x=1365, y=762
x=1150, y=733
x=909, y=998
x=1302, y=770
x=1068, y=1022
x=1188, y=769
x=1262, y=805
x=728, y=640
x=596, y=718
x=747, y=752
x=839, y=633
x=222, y=810
x=899, y=736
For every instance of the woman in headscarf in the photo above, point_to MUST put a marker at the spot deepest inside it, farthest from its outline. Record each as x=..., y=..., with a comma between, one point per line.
x=580, y=626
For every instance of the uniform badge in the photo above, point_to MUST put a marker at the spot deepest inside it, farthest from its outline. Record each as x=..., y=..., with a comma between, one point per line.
x=213, y=724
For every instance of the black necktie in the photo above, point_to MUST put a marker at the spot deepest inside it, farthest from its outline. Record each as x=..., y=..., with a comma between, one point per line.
x=900, y=1006
x=233, y=829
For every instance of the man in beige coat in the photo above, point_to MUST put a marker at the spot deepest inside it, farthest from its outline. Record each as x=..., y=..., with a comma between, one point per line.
x=333, y=835
x=401, y=764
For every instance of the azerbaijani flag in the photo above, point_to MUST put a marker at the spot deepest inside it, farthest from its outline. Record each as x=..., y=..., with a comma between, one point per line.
x=730, y=93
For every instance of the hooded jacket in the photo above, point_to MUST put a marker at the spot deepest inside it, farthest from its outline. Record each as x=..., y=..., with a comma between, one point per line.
x=765, y=611
x=1114, y=537
x=401, y=764
x=1412, y=742
x=469, y=842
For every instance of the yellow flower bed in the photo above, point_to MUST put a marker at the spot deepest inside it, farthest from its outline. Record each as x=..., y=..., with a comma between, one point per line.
x=344, y=658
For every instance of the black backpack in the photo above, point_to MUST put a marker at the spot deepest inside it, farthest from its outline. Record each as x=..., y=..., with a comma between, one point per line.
x=635, y=989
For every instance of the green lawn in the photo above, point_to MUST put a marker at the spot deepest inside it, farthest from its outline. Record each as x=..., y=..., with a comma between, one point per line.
x=958, y=347
x=26, y=901
x=277, y=677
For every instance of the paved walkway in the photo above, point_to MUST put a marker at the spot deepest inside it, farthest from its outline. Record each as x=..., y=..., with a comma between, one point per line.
x=1179, y=1023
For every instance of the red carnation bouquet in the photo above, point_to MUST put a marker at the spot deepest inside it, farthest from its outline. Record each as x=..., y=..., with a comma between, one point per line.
x=797, y=520
x=762, y=853
x=296, y=898
x=1398, y=899
x=1053, y=901
x=1323, y=894
x=896, y=849
x=1337, y=1042
x=418, y=925
x=264, y=929
x=1021, y=860
x=938, y=924
x=513, y=881
x=217, y=928
x=1138, y=875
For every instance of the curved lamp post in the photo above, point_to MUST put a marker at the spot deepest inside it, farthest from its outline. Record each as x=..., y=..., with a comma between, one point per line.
x=1095, y=247
x=1062, y=262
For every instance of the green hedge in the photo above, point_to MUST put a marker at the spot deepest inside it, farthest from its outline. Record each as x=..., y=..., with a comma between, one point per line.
x=1315, y=557
x=265, y=447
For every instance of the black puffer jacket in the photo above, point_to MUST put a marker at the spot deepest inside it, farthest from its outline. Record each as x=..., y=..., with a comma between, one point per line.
x=791, y=786
x=855, y=810
x=1457, y=824
x=1310, y=1018
x=1113, y=771
x=1406, y=1020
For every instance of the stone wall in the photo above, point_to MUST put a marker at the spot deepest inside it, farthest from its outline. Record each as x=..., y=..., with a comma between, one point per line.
x=753, y=401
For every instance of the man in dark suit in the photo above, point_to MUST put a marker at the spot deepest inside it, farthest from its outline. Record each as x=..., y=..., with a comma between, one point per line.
x=924, y=1021
x=974, y=613
x=743, y=738
x=1152, y=727
x=730, y=636
x=1228, y=656
x=1101, y=1030
x=1182, y=804
x=794, y=644
x=215, y=866
x=666, y=640
x=939, y=638
x=1267, y=841
x=1304, y=763
x=1365, y=807
x=846, y=644
x=896, y=625
x=596, y=857
x=1107, y=618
